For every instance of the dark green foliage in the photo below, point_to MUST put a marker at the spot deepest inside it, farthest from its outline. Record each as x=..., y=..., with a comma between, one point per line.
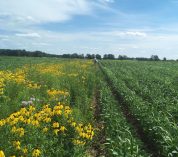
x=108, y=56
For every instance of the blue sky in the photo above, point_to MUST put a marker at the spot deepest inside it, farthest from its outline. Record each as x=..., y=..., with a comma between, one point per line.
x=137, y=28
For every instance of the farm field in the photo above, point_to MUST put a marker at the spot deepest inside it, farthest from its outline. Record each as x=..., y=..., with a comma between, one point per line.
x=149, y=91
x=53, y=107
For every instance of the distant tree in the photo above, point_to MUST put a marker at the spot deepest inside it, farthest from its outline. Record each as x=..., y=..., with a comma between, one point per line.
x=88, y=56
x=142, y=59
x=92, y=56
x=81, y=56
x=108, y=56
x=105, y=56
x=74, y=55
x=122, y=57
x=98, y=56
x=164, y=59
x=9, y=52
x=66, y=56
x=155, y=58
x=111, y=56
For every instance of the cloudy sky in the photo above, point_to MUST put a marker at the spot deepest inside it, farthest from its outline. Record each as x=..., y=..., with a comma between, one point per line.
x=131, y=27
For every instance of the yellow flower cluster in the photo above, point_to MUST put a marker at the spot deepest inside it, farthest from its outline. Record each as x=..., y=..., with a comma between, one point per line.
x=32, y=85
x=19, y=77
x=54, y=69
x=53, y=93
x=87, y=64
x=1, y=85
x=44, y=119
x=47, y=120
x=18, y=131
x=85, y=131
x=58, y=68
x=17, y=145
x=79, y=142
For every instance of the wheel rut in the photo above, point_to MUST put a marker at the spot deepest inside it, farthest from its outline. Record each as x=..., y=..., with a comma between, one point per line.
x=97, y=149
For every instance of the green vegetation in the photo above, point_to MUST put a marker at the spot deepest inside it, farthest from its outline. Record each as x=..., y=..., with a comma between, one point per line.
x=120, y=137
x=73, y=107
x=150, y=91
x=46, y=106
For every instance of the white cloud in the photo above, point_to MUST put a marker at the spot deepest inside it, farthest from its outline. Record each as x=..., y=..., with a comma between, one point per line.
x=41, y=44
x=135, y=47
x=31, y=35
x=24, y=15
x=109, y=1
x=138, y=34
x=106, y=1
x=45, y=10
x=4, y=39
x=3, y=36
x=124, y=34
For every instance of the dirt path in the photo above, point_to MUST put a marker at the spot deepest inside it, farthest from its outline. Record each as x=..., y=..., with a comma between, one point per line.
x=149, y=145
x=97, y=149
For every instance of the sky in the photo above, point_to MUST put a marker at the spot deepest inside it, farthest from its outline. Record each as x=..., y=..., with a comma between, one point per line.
x=136, y=28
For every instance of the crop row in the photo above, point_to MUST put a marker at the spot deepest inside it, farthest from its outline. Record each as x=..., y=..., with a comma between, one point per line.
x=120, y=137
x=150, y=99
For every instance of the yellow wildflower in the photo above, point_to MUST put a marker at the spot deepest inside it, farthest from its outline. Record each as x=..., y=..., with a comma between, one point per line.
x=31, y=109
x=36, y=153
x=73, y=124
x=13, y=129
x=35, y=122
x=78, y=142
x=45, y=129
x=21, y=132
x=59, y=112
x=56, y=131
x=16, y=144
x=55, y=125
x=2, y=122
x=47, y=120
x=25, y=150
x=62, y=128
x=2, y=154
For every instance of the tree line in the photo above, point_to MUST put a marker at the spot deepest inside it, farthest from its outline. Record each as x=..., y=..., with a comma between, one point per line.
x=10, y=52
